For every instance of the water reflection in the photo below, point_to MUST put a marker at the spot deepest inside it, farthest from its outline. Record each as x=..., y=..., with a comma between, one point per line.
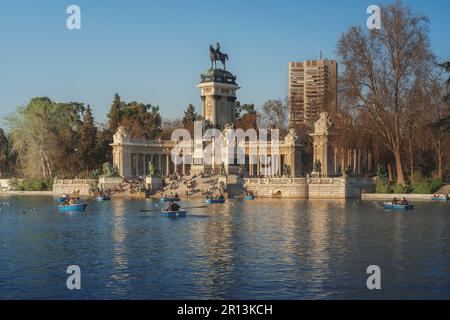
x=262, y=249
x=120, y=276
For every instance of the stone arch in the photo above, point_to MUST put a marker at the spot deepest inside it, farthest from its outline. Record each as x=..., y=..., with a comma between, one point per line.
x=277, y=193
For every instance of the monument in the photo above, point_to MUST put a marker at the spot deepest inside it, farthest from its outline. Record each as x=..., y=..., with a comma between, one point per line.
x=218, y=91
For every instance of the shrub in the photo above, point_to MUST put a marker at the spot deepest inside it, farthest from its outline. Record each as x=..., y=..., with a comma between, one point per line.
x=37, y=185
x=422, y=188
x=436, y=184
x=401, y=189
x=383, y=187
x=15, y=185
x=427, y=186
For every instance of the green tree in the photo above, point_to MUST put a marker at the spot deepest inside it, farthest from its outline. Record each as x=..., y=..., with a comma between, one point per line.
x=33, y=138
x=87, y=144
x=244, y=109
x=103, y=150
x=142, y=121
x=114, y=114
x=4, y=153
x=190, y=115
x=44, y=135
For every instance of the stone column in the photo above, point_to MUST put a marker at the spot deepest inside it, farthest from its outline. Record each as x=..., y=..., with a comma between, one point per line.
x=168, y=169
x=293, y=169
x=136, y=164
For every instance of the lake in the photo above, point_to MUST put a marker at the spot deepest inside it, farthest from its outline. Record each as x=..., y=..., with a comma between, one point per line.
x=261, y=249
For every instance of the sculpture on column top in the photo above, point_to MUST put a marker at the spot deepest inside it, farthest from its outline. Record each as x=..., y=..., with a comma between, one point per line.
x=322, y=125
x=121, y=136
x=291, y=137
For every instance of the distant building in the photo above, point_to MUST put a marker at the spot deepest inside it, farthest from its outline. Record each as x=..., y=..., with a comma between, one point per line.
x=312, y=90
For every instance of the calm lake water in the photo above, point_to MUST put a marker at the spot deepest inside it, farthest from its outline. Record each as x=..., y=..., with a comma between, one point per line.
x=262, y=249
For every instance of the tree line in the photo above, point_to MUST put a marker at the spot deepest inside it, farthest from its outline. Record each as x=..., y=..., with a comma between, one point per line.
x=46, y=139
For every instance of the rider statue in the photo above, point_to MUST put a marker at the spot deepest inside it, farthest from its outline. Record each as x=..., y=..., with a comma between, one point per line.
x=217, y=55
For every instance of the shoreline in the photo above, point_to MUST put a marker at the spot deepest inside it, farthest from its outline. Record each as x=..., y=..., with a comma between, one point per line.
x=390, y=196
x=367, y=197
x=27, y=193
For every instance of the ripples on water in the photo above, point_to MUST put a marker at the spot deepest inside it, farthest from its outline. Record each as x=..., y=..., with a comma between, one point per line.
x=262, y=249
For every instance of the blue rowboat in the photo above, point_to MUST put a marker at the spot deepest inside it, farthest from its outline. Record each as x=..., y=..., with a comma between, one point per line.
x=72, y=207
x=174, y=214
x=440, y=199
x=389, y=205
x=215, y=201
x=249, y=198
x=170, y=199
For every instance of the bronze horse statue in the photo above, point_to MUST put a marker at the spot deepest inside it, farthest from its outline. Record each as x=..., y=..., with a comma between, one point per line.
x=216, y=55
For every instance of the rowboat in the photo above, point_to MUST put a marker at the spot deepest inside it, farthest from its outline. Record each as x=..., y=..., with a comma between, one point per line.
x=170, y=199
x=249, y=198
x=215, y=201
x=440, y=199
x=389, y=205
x=174, y=214
x=72, y=207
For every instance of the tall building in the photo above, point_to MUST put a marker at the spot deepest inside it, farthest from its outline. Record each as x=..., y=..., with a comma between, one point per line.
x=312, y=90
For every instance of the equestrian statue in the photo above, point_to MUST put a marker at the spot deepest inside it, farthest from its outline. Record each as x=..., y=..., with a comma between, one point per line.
x=216, y=55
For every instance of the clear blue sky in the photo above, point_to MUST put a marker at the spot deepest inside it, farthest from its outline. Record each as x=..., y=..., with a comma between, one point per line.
x=154, y=51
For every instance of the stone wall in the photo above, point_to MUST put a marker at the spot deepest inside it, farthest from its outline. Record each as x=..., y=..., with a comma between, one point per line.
x=302, y=188
x=73, y=186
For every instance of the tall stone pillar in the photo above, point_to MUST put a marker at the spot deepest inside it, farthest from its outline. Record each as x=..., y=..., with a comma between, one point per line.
x=168, y=165
x=323, y=148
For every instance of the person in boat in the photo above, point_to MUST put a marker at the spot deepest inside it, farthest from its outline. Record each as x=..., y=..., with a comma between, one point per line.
x=221, y=197
x=404, y=202
x=395, y=200
x=173, y=207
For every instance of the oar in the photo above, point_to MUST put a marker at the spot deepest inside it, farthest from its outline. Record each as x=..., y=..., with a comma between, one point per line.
x=159, y=210
x=202, y=207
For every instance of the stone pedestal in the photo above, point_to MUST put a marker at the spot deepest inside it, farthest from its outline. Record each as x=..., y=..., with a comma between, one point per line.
x=153, y=183
x=218, y=92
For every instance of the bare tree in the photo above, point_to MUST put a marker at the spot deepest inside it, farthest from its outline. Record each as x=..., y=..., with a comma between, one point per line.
x=273, y=116
x=383, y=69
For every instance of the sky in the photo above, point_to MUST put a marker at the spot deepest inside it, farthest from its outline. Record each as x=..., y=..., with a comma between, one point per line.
x=154, y=51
